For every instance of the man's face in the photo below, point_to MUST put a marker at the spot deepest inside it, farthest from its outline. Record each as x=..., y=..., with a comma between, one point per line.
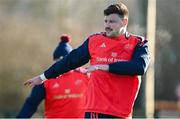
x=113, y=25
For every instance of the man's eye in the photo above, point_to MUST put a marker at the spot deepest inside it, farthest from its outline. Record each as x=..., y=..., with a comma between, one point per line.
x=112, y=21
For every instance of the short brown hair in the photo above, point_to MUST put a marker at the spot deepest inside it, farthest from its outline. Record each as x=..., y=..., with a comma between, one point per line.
x=119, y=9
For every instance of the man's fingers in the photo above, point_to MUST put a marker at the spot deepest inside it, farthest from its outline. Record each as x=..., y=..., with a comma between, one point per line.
x=27, y=83
x=91, y=69
x=86, y=70
x=32, y=85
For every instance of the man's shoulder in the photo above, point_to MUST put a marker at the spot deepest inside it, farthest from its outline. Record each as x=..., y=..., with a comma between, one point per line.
x=139, y=37
x=97, y=34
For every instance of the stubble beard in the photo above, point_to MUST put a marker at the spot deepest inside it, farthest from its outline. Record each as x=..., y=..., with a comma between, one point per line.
x=112, y=33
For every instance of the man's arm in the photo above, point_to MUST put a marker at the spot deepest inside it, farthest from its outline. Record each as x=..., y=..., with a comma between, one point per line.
x=33, y=100
x=137, y=66
x=76, y=58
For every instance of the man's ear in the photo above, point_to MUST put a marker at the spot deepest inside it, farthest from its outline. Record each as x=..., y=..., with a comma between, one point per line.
x=125, y=21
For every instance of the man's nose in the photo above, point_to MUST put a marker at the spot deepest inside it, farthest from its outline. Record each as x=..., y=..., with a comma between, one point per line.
x=107, y=24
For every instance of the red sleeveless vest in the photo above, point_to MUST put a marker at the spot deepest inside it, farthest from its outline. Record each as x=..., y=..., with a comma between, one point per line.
x=65, y=95
x=107, y=92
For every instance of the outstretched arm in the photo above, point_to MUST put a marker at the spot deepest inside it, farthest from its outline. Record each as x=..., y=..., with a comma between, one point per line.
x=76, y=58
x=32, y=102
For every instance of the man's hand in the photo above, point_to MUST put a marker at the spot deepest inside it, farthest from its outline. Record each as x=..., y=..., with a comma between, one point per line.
x=34, y=81
x=102, y=67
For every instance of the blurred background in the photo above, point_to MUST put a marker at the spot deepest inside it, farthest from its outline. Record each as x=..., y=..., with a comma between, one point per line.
x=30, y=30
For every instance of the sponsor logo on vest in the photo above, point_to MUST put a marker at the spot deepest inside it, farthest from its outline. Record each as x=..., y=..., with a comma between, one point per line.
x=56, y=85
x=128, y=46
x=114, y=54
x=68, y=94
x=109, y=60
x=103, y=45
x=67, y=91
x=78, y=82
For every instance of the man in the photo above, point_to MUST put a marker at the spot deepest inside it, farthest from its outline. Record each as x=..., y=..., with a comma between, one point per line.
x=116, y=58
x=64, y=95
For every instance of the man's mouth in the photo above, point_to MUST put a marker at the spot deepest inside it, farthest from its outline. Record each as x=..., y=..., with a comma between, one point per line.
x=108, y=29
